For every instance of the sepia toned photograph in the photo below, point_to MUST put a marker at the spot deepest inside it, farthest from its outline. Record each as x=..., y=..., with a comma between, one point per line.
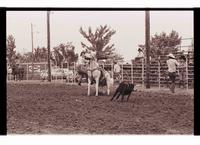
x=113, y=72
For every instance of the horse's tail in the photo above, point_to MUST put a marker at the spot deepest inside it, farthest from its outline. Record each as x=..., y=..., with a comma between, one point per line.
x=104, y=71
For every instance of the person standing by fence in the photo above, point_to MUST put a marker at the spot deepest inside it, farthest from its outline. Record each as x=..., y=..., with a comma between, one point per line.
x=82, y=69
x=172, y=65
x=117, y=71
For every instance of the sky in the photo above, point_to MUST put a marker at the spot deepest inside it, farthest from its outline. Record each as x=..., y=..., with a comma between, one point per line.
x=65, y=25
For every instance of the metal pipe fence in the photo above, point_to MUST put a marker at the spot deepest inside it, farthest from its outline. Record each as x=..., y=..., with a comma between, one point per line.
x=134, y=73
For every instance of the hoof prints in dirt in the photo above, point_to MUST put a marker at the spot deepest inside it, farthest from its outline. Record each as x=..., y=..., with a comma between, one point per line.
x=65, y=109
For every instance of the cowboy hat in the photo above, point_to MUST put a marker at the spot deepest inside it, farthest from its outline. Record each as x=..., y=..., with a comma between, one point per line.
x=182, y=57
x=171, y=55
x=140, y=49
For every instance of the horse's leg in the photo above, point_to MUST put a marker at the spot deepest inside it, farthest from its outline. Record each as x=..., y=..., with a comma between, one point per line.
x=108, y=86
x=20, y=76
x=97, y=86
x=79, y=81
x=89, y=82
x=15, y=77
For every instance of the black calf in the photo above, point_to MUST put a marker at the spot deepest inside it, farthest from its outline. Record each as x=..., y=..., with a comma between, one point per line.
x=123, y=89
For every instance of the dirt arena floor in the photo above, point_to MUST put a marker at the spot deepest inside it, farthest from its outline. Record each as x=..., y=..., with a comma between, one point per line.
x=58, y=108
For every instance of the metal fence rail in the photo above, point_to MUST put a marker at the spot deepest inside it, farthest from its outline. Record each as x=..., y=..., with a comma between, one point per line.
x=134, y=73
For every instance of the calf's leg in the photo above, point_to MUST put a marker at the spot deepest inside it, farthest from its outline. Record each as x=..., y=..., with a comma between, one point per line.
x=114, y=95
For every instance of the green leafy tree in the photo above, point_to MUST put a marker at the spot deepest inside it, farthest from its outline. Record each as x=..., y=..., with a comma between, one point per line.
x=64, y=53
x=163, y=44
x=99, y=41
x=10, y=49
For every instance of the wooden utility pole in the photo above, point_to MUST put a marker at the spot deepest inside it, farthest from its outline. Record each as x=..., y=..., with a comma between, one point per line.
x=48, y=46
x=147, y=45
x=32, y=48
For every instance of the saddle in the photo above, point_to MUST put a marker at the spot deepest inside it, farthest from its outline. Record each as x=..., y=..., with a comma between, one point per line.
x=102, y=79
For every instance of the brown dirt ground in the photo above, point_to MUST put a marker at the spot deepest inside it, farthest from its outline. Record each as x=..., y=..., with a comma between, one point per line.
x=58, y=108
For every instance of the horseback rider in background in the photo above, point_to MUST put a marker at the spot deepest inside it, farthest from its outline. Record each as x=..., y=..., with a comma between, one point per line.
x=82, y=67
x=17, y=70
x=117, y=71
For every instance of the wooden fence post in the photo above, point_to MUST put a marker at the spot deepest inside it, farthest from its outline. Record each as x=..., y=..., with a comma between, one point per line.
x=62, y=72
x=74, y=70
x=158, y=74
x=131, y=73
x=122, y=73
x=187, y=72
x=112, y=70
x=142, y=73
x=27, y=69
x=7, y=72
x=67, y=75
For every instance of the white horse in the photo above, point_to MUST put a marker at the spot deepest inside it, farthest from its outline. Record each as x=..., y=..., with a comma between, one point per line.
x=95, y=72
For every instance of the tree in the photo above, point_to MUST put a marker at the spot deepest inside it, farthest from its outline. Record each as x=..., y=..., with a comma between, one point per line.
x=99, y=41
x=10, y=49
x=40, y=54
x=28, y=57
x=116, y=57
x=56, y=56
x=163, y=44
x=64, y=53
x=21, y=57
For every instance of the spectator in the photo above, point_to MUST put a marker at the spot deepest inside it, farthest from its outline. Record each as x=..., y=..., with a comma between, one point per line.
x=117, y=71
x=82, y=69
x=172, y=64
x=140, y=53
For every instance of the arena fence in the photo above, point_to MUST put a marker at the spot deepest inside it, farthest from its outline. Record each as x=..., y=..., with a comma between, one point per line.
x=135, y=72
x=33, y=71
